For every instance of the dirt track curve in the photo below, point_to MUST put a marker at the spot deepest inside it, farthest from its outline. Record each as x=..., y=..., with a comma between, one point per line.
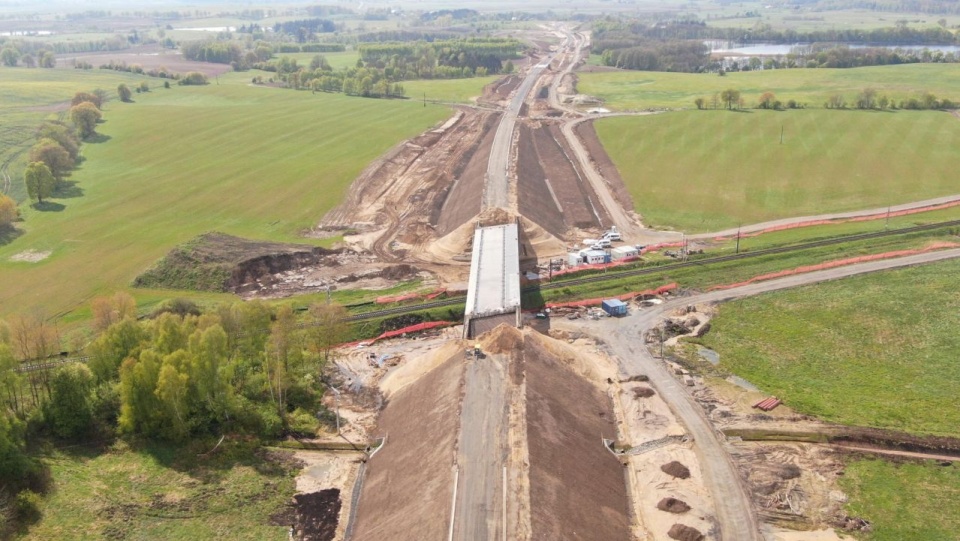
x=735, y=514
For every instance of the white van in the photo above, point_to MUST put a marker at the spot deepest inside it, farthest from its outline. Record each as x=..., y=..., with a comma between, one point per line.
x=613, y=234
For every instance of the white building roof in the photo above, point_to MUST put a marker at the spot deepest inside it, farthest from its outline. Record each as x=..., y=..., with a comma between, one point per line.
x=494, y=286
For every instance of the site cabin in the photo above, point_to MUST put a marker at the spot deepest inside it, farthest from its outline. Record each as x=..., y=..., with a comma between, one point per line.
x=614, y=307
x=624, y=252
x=595, y=257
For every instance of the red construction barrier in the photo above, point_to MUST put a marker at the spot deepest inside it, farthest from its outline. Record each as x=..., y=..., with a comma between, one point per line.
x=410, y=296
x=656, y=247
x=427, y=325
x=837, y=263
x=397, y=298
x=592, y=302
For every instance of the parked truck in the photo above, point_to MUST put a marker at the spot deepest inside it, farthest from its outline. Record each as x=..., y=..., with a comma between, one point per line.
x=614, y=307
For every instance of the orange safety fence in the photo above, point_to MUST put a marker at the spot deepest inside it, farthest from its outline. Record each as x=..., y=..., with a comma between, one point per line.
x=591, y=302
x=837, y=263
x=596, y=266
x=655, y=247
x=427, y=325
x=410, y=296
x=797, y=225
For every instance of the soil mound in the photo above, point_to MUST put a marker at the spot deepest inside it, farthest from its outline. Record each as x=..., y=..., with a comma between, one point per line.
x=317, y=515
x=673, y=505
x=684, y=533
x=503, y=339
x=676, y=469
x=643, y=392
x=788, y=471
x=220, y=262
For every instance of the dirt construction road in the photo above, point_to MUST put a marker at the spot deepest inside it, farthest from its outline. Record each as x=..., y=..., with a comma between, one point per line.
x=735, y=514
x=480, y=454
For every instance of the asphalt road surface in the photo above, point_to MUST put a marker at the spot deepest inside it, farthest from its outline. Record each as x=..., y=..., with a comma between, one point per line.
x=735, y=512
x=497, y=190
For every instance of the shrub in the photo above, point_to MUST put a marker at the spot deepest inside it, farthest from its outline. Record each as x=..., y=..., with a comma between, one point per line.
x=27, y=506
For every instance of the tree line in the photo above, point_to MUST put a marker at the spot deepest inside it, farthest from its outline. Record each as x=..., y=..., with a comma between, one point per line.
x=621, y=34
x=937, y=7
x=242, y=369
x=867, y=99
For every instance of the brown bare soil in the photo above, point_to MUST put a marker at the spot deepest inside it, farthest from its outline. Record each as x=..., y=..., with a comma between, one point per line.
x=462, y=201
x=317, y=515
x=676, y=469
x=409, y=483
x=581, y=207
x=577, y=487
x=603, y=164
x=673, y=505
x=685, y=533
x=535, y=199
x=148, y=57
x=498, y=92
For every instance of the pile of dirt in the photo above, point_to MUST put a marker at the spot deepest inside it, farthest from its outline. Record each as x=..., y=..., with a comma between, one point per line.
x=676, y=469
x=503, y=339
x=643, y=392
x=317, y=515
x=673, y=505
x=220, y=262
x=685, y=533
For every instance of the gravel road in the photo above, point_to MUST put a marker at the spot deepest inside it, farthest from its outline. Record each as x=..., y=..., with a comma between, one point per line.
x=735, y=513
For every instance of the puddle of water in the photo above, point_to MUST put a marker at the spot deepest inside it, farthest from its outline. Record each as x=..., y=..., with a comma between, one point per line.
x=742, y=383
x=709, y=355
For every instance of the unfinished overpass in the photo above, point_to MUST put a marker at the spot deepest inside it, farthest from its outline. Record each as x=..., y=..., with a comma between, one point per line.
x=493, y=294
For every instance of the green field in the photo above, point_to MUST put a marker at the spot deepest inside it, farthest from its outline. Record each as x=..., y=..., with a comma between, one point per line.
x=447, y=90
x=164, y=492
x=710, y=170
x=904, y=501
x=634, y=90
x=257, y=162
x=29, y=96
x=876, y=350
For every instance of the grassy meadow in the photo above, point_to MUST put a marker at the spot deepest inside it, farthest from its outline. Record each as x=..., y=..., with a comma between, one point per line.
x=904, y=501
x=160, y=491
x=635, y=90
x=876, y=350
x=257, y=162
x=30, y=96
x=708, y=170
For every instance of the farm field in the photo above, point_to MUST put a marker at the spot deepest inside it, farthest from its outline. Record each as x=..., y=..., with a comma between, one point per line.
x=633, y=90
x=262, y=163
x=29, y=96
x=904, y=501
x=448, y=90
x=701, y=171
x=162, y=491
x=876, y=350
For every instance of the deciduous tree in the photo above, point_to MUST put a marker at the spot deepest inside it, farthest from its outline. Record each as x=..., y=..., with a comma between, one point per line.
x=731, y=97
x=54, y=156
x=85, y=117
x=699, y=102
x=9, y=56
x=767, y=99
x=8, y=211
x=69, y=410
x=123, y=91
x=95, y=98
x=328, y=328
x=39, y=181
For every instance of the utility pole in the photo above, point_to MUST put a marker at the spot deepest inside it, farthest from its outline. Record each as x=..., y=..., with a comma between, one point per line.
x=886, y=224
x=662, y=330
x=781, y=134
x=424, y=99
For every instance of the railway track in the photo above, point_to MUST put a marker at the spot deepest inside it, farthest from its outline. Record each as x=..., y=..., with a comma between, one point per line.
x=400, y=310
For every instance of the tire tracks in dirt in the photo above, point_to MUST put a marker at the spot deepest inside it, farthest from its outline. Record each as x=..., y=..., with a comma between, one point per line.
x=736, y=514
